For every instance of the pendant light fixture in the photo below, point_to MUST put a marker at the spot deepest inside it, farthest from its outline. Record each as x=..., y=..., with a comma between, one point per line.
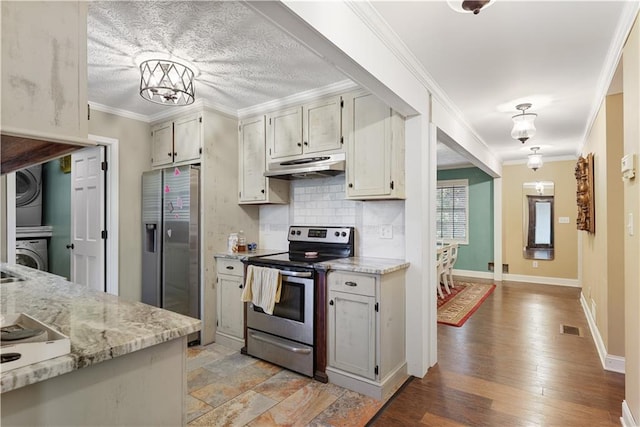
x=469, y=6
x=535, y=159
x=166, y=82
x=523, y=127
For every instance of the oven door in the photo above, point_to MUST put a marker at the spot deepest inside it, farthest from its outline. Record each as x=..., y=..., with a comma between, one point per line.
x=293, y=316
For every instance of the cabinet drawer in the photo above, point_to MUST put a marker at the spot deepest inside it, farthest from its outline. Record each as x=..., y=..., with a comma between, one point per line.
x=352, y=283
x=230, y=266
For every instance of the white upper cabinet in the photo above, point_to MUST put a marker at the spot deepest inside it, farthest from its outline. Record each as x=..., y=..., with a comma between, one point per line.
x=177, y=142
x=253, y=186
x=285, y=133
x=322, y=125
x=44, y=67
x=375, y=149
x=315, y=127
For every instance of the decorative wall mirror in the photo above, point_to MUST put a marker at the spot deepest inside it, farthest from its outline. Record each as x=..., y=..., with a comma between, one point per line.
x=537, y=225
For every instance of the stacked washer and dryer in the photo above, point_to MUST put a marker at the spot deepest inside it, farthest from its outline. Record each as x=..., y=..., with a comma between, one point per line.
x=30, y=251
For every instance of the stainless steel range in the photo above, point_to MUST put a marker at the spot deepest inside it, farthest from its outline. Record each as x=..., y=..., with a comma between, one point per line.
x=288, y=337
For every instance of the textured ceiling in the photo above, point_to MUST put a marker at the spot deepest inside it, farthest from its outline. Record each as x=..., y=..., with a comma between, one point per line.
x=243, y=60
x=550, y=53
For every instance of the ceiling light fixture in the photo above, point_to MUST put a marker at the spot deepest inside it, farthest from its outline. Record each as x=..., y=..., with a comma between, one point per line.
x=469, y=6
x=535, y=159
x=523, y=127
x=166, y=82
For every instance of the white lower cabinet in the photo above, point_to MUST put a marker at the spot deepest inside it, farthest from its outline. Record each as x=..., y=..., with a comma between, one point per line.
x=366, y=332
x=230, y=319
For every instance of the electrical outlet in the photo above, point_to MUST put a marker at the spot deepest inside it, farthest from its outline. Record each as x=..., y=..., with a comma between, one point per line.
x=386, y=232
x=535, y=264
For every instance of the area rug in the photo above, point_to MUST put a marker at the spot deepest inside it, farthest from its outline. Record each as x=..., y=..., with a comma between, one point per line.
x=456, y=308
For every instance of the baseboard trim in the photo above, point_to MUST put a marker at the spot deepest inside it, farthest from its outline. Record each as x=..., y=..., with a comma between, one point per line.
x=543, y=280
x=627, y=417
x=473, y=274
x=609, y=362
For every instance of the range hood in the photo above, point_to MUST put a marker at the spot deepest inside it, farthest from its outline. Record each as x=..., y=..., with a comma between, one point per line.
x=21, y=148
x=307, y=167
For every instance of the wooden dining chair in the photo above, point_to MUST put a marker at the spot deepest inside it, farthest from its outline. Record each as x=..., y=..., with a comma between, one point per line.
x=452, y=257
x=441, y=268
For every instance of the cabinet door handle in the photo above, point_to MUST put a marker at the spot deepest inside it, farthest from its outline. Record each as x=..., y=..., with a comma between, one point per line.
x=331, y=302
x=169, y=154
x=262, y=191
x=351, y=284
x=175, y=154
x=240, y=286
x=299, y=145
x=306, y=143
x=350, y=185
x=229, y=267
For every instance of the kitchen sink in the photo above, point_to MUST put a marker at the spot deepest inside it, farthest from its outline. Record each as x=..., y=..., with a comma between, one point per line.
x=9, y=278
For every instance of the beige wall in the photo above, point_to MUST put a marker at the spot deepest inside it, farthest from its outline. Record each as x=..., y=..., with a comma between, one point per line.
x=565, y=263
x=135, y=157
x=631, y=90
x=603, y=251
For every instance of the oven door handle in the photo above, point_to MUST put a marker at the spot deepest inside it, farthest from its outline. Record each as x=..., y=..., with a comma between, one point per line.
x=281, y=345
x=296, y=273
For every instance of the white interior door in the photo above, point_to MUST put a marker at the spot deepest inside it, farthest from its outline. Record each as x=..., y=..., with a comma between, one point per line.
x=87, y=218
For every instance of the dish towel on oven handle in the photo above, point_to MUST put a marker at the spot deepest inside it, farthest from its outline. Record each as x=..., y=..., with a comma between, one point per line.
x=262, y=287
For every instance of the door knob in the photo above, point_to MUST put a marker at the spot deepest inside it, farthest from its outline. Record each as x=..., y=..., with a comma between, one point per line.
x=71, y=246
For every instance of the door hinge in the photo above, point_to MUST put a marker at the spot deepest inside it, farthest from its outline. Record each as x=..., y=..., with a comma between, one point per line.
x=240, y=194
x=269, y=151
x=376, y=370
x=217, y=324
x=88, y=112
x=200, y=119
x=103, y=234
x=376, y=307
x=104, y=165
x=342, y=140
x=342, y=103
x=391, y=185
x=200, y=150
x=240, y=128
x=217, y=279
x=269, y=120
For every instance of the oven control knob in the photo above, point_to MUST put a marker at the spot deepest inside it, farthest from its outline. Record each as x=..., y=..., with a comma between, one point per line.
x=293, y=232
x=337, y=233
x=344, y=234
x=298, y=233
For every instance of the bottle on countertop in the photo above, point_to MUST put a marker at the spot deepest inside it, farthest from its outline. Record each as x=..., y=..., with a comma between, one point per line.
x=232, y=243
x=242, y=242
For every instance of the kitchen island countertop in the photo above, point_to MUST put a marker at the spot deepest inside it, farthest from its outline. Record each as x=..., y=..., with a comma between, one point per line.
x=364, y=265
x=100, y=326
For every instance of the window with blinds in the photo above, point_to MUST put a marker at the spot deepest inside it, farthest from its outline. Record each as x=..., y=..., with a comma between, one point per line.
x=452, y=211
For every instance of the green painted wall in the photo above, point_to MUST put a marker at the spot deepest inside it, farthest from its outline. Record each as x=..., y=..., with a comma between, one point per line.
x=57, y=213
x=479, y=252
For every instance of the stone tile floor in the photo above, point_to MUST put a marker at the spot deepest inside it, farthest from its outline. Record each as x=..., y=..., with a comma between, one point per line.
x=226, y=388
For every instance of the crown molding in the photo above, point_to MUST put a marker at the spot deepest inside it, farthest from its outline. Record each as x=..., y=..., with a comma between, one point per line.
x=197, y=106
x=118, y=112
x=378, y=26
x=627, y=19
x=297, y=99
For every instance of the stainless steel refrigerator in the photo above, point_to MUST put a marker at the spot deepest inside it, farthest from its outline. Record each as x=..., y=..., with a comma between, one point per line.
x=171, y=240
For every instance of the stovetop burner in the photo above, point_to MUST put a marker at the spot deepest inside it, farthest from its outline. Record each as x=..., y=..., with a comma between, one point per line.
x=311, y=245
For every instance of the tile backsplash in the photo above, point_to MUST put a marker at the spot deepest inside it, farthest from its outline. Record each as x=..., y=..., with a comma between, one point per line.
x=321, y=201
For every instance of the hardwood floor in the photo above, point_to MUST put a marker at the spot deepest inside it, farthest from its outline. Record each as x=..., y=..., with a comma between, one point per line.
x=510, y=365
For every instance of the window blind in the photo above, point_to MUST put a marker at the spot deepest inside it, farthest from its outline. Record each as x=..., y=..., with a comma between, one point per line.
x=452, y=211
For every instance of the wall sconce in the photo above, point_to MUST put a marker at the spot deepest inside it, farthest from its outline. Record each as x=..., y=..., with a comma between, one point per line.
x=166, y=82
x=523, y=127
x=535, y=159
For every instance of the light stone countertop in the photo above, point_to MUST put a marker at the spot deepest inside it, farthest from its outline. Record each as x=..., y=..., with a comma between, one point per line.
x=245, y=255
x=365, y=265
x=100, y=326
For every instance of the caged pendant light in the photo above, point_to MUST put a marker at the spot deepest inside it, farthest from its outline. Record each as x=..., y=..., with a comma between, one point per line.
x=166, y=82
